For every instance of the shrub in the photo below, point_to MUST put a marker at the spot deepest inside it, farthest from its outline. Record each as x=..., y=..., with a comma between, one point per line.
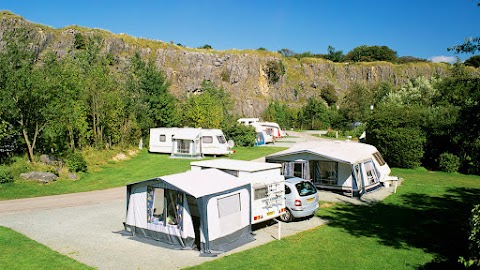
x=76, y=162
x=448, y=162
x=242, y=135
x=474, y=240
x=5, y=176
x=331, y=134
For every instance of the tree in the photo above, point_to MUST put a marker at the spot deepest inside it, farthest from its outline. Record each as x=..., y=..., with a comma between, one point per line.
x=334, y=56
x=274, y=71
x=366, y=53
x=287, y=52
x=23, y=97
x=206, y=47
x=329, y=95
x=314, y=115
x=473, y=61
x=355, y=106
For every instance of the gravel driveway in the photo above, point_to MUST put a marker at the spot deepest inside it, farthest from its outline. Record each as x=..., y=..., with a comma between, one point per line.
x=88, y=227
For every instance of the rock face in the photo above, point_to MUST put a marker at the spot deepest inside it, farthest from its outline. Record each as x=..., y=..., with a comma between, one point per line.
x=241, y=73
x=43, y=177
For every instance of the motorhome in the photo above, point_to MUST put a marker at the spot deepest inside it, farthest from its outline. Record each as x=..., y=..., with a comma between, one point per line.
x=267, y=184
x=267, y=132
x=189, y=142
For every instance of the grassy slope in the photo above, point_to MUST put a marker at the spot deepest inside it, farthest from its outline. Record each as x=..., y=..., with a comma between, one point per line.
x=422, y=226
x=116, y=174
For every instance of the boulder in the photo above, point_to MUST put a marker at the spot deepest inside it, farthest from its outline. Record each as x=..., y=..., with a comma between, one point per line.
x=43, y=177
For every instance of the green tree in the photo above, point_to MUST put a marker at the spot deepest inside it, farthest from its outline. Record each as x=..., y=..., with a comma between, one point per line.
x=366, y=53
x=356, y=103
x=273, y=70
x=329, y=94
x=473, y=61
x=334, y=56
x=315, y=115
x=23, y=97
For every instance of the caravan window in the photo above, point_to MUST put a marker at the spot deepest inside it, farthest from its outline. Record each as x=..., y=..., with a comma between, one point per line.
x=260, y=193
x=221, y=139
x=378, y=157
x=228, y=205
x=207, y=139
x=163, y=206
x=163, y=138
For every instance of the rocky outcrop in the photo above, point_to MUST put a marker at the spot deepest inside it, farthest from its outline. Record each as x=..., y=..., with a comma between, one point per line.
x=241, y=73
x=42, y=177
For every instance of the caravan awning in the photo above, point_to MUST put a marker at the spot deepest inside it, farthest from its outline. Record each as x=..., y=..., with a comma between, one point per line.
x=341, y=151
x=204, y=182
x=187, y=134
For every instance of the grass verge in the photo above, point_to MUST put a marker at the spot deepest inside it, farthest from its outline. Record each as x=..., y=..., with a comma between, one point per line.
x=422, y=226
x=20, y=252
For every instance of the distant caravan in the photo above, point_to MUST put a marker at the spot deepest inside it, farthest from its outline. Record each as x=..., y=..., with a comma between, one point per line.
x=189, y=142
x=267, y=132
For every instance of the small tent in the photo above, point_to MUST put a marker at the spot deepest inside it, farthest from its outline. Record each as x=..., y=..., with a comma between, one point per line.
x=354, y=168
x=206, y=209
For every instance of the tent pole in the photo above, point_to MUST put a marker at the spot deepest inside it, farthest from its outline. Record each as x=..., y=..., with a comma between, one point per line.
x=279, y=230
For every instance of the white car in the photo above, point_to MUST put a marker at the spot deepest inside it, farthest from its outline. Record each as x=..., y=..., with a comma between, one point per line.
x=301, y=199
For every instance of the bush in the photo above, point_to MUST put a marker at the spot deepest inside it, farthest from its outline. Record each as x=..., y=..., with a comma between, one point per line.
x=242, y=135
x=474, y=240
x=448, y=162
x=5, y=176
x=401, y=147
x=76, y=162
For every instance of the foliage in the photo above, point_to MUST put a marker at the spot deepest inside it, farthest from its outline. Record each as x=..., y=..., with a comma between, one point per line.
x=410, y=59
x=274, y=71
x=329, y=95
x=79, y=42
x=396, y=132
x=334, y=56
x=470, y=45
x=210, y=109
x=314, y=115
x=5, y=176
x=473, y=239
x=448, y=162
x=206, y=47
x=473, y=61
x=281, y=114
x=241, y=134
x=76, y=162
x=356, y=103
x=366, y=53
x=287, y=52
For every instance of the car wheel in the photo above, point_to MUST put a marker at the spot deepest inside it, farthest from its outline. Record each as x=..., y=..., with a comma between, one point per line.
x=287, y=217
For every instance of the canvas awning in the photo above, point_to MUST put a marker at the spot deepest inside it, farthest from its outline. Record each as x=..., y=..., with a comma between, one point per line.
x=204, y=182
x=345, y=152
x=187, y=134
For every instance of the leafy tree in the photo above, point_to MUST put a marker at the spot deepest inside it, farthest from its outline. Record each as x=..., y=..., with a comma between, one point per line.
x=356, y=103
x=210, y=109
x=274, y=71
x=281, y=114
x=314, y=115
x=410, y=59
x=23, y=98
x=287, y=52
x=79, y=42
x=241, y=134
x=329, y=94
x=396, y=131
x=473, y=61
x=366, y=53
x=334, y=56
x=206, y=47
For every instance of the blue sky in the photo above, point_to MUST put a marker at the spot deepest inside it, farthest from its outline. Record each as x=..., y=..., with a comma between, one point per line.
x=417, y=28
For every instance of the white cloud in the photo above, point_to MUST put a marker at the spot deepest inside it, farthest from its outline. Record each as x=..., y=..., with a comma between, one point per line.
x=443, y=58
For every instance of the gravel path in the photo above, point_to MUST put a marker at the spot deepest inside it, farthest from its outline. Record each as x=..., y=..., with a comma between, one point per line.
x=88, y=227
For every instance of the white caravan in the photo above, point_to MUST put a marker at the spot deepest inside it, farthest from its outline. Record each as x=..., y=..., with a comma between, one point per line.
x=267, y=184
x=189, y=142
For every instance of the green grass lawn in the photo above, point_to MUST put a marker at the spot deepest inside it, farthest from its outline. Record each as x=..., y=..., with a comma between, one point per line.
x=422, y=226
x=115, y=174
x=19, y=252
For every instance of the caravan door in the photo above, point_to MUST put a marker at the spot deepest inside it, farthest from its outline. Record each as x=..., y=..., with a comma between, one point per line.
x=297, y=168
x=358, y=179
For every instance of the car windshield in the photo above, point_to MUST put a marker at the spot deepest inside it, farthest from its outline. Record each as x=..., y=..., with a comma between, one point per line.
x=305, y=188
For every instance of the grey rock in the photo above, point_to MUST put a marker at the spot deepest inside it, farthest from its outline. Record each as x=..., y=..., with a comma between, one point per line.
x=43, y=177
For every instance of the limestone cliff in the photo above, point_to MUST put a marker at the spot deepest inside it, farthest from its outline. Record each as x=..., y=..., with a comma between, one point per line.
x=241, y=73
